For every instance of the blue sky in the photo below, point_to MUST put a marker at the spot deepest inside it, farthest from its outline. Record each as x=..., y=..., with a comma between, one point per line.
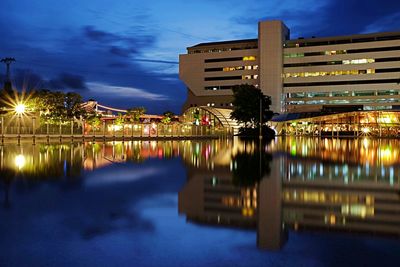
x=124, y=53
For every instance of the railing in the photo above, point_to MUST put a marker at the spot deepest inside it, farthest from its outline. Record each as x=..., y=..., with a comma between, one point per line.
x=111, y=131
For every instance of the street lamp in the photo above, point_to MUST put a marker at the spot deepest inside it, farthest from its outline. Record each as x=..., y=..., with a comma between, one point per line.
x=19, y=109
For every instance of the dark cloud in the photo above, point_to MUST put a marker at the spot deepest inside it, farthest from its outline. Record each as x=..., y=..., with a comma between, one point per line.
x=24, y=79
x=69, y=81
x=97, y=35
x=332, y=18
x=139, y=39
x=123, y=52
x=27, y=80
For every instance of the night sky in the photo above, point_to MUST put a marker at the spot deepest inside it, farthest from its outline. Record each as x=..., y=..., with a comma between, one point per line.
x=124, y=53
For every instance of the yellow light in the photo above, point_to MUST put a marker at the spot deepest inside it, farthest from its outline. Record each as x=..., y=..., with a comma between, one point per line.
x=365, y=130
x=20, y=108
x=20, y=161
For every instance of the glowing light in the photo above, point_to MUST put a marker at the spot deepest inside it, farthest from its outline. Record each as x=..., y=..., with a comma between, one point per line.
x=20, y=161
x=365, y=130
x=115, y=127
x=20, y=108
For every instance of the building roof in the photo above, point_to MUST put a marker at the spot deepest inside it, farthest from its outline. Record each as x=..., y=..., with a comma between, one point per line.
x=354, y=38
x=225, y=42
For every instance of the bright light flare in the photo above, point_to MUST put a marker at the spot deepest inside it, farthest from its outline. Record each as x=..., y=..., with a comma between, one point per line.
x=365, y=130
x=20, y=108
x=20, y=161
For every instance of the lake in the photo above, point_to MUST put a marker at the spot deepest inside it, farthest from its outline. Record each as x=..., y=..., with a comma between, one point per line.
x=222, y=202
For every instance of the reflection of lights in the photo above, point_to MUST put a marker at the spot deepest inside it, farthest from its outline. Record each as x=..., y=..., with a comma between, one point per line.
x=20, y=161
x=365, y=142
x=20, y=108
x=358, y=210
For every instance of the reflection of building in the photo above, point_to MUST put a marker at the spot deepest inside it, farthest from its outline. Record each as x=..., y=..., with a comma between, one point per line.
x=306, y=189
x=210, y=197
x=361, y=71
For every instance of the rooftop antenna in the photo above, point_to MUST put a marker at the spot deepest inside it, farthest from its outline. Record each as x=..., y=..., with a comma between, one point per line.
x=7, y=82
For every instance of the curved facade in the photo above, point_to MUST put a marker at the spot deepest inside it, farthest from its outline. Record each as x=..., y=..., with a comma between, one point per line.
x=210, y=116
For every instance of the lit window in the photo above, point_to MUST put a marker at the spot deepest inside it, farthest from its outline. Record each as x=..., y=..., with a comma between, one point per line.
x=358, y=61
x=249, y=58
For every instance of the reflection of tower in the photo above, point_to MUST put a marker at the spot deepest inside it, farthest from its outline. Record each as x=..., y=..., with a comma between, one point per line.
x=210, y=197
x=7, y=82
x=271, y=234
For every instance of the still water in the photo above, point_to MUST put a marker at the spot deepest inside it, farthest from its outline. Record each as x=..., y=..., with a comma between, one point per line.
x=288, y=202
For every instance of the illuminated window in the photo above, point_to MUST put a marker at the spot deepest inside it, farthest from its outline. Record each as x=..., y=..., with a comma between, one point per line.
x=233, y=68
x=358, y=61
x=249, y=58
x=327, y=73
x=290, y=55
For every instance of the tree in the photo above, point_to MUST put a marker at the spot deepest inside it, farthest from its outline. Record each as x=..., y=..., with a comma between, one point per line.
x=168, y=115
x=120, y=120
x=73, y=106
x=94, y=120
x=246, y=105
x=55, y=107
x=135, y=113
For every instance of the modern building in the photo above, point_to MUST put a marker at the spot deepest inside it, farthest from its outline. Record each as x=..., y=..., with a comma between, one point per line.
x=356, y=72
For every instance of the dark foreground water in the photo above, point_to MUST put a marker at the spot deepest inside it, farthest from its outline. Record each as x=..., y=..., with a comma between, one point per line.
x=291, y=202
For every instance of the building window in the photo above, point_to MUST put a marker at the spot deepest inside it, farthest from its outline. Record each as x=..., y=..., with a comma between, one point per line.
x=249, y=58
x=359, y=61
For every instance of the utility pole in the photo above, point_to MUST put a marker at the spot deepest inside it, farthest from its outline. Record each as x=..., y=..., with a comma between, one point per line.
x=7, y=82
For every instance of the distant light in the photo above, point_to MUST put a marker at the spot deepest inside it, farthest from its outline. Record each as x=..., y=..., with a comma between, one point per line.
x=20, y=108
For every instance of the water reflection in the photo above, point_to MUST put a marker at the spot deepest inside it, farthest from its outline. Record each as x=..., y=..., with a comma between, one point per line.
x=287, y=184
x=324, y=184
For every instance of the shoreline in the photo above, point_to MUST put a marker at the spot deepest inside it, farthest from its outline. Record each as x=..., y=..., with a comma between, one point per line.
x=15, y=139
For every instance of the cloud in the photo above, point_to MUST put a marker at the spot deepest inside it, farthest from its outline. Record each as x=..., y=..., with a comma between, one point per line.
x=69, y=81
x=123, y=52
x=383, y=24
x=124, y=91
x=104, y=179
x=325, y=18
x=27, y=80
x=97, y=35
x=120, y=41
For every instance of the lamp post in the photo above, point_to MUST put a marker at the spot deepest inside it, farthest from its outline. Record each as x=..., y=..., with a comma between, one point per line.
x=19, y=110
